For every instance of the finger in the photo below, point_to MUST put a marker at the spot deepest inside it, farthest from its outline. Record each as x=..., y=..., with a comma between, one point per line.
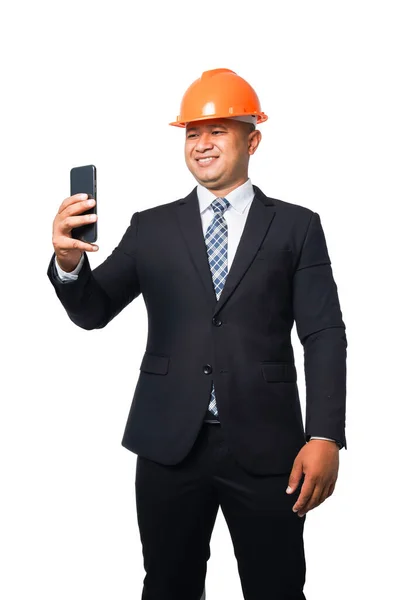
x=294, y=477
x=72, y=200
x=313, y=502
x=69, y=223
x=326, y=492
x=331, y=489
x=323, y=496
x=305, y=493
x=73, y=244
x=76, y=208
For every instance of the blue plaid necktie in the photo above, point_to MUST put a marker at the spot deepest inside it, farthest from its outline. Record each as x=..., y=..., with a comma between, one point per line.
x=216, y=239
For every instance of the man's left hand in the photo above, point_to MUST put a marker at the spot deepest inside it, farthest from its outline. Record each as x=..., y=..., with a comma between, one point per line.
x=319, y=461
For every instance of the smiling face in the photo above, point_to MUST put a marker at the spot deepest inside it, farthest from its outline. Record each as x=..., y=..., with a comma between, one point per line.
x=217, y=152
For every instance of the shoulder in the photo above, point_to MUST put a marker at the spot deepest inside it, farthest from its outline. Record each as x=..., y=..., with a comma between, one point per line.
x=292, y=208
x=289, y=210
x=161, y=210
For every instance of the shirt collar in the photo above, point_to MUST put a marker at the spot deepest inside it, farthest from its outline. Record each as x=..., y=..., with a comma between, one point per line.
x=238, y=198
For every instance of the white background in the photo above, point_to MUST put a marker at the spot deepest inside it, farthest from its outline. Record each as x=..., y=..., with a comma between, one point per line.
x=94, y=82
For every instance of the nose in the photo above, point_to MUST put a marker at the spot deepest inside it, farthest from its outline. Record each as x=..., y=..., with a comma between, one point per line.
x=204, y=142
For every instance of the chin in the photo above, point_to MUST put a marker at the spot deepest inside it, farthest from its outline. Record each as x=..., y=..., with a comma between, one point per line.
x=211, y=178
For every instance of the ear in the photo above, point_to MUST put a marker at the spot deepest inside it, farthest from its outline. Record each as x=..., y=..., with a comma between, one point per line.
x=254, y=139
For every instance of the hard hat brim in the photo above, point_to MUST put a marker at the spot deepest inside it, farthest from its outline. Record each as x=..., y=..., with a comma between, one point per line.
x=261, y=117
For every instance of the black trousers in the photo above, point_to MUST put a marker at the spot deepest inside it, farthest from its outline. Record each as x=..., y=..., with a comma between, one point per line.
x=176, y=510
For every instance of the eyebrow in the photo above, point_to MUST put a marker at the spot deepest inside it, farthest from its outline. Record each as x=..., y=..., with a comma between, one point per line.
x=211, y=126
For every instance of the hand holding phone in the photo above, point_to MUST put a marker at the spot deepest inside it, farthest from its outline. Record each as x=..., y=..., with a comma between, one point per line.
x=76, y=215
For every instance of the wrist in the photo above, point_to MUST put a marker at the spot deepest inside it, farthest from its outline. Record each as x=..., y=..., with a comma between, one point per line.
x=68, y=265
x=325, y=440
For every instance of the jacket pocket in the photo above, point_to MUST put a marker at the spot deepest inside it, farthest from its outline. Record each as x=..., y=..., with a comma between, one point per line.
x=155, y=363
x=279, y=371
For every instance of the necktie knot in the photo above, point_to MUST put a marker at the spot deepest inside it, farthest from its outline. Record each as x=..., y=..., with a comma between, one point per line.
x=219, y=205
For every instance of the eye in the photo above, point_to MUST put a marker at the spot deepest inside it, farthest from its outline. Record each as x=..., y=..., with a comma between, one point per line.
x=191, y=135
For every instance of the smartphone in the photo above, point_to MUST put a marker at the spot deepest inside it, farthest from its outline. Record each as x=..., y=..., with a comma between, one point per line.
x=83, y=181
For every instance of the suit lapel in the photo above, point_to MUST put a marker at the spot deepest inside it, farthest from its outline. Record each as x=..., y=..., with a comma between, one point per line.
x=189, y=217
x=259, y=218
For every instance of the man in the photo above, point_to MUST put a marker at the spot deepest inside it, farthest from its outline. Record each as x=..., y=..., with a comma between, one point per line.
x=216, y=418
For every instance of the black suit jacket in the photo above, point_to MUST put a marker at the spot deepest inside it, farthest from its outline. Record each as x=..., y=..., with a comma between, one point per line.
x=281, y=274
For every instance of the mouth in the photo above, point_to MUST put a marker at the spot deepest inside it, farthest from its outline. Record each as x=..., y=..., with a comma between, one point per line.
x=205, y=162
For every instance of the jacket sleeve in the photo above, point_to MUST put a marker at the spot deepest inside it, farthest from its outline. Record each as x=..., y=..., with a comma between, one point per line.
x=321, y=331
x=96, y=297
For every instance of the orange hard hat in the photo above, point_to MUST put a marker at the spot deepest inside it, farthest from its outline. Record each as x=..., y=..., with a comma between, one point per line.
x=219, y=94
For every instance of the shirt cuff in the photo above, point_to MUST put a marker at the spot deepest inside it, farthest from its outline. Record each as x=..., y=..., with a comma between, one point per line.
x=73, y=275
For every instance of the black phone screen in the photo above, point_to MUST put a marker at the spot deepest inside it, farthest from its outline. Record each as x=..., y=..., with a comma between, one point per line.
x=83, y=181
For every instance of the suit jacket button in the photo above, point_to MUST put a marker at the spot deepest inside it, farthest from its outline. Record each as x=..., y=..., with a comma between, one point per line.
x=207, y=369
x=217, y=322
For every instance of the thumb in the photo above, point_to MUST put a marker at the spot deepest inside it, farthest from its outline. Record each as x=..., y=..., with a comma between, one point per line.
x=295, y=476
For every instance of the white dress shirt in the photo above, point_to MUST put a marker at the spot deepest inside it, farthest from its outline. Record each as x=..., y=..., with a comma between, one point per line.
x=235, y=216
